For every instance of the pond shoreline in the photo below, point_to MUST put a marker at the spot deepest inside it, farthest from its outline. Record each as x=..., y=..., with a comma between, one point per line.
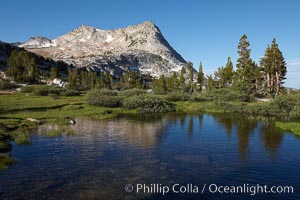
x=24, y=110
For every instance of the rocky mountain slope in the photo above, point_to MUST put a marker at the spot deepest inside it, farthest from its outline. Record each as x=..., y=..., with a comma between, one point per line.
x=44, y=64
x=142, y=46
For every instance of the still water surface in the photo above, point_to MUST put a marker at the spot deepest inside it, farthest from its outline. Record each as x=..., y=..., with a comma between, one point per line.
x=101, y=157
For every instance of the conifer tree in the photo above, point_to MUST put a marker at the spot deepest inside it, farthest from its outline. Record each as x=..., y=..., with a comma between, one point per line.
x=108, y=80
x=245, y=68
x=100, y=82
x=160, y=86
x=274, y=67
x=182, y=73
x=258, y=79
x=182, y=79
x=200, y=78
x=73, y=79
x=132, y=81
x=172, y=82
x=220, y=77
x=139, y=83
x=191, y=76
x=54, y=72
x=228, y=72
x=210, y=85
x=224, y=75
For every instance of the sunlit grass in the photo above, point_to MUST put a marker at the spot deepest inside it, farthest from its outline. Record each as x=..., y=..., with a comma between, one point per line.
x=293, y=127
x=16, y=108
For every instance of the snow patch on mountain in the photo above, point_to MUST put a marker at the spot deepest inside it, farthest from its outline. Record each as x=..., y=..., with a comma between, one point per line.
x=109, y=38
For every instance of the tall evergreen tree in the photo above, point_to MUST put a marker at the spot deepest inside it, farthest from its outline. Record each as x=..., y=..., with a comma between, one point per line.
x=160, y=85
x=245, y=67
x=54, y=72
x=191, y=76
x=220, y=77
x=211, y=84
x=172, y=82
x=200, y=78
x=133, y=79
x=274, y=67
x=182, y=78
x=258, y=79
x=182, y=73
x=108, y=80
x=224, y=75
x=100, y=82
x=228, y=72
x=73, y=79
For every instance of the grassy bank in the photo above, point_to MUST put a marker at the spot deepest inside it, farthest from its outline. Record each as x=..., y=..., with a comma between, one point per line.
x=293, y=127
x=16, y=108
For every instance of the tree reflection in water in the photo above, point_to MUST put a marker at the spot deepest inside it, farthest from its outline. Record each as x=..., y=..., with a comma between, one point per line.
x=245, y=127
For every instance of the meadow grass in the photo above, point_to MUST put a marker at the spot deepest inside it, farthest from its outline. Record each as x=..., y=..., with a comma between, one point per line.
x=15, y=108
x=293, y=127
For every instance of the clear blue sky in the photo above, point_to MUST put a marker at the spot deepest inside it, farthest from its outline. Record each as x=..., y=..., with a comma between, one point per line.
x=200, y=30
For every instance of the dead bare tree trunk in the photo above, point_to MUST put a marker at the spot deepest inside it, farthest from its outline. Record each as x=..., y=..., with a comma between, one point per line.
x=268, y=83
x=277, y=84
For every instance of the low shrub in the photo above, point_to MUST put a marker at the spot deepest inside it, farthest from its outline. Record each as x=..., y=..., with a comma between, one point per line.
x=226, y=94
x=262, y=109
x=202, y=97
x=287, y=106
x=105, y=101
x=102, y=98
x=6, y=85
x=295, y=113
x=44, y=90
x=220, y=95
x=102, y=92
x=27, y=89
x=68, y=93
x=132, y=92
x=148, y=104
x=51, y=90
x=176, y=96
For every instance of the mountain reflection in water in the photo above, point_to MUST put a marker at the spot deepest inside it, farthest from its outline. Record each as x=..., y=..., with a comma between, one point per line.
x=99, y=158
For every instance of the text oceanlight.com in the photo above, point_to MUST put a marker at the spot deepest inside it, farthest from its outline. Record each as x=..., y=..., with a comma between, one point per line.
x=208, y=188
